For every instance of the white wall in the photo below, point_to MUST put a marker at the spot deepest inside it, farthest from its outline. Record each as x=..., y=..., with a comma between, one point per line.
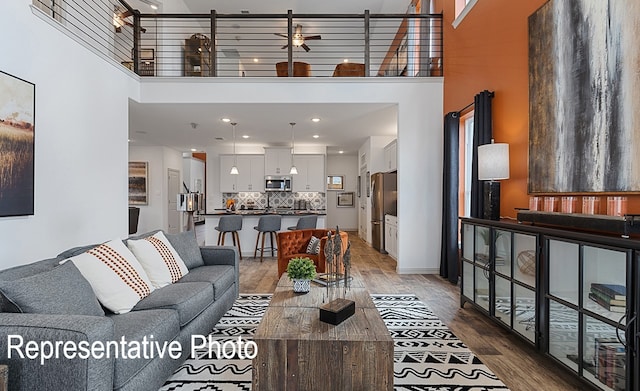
x=345, y=218
x=81, y=123
x=160, y=160
x=419, y=104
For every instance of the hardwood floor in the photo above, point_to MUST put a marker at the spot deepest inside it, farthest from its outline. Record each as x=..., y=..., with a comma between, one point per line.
x=511, y=359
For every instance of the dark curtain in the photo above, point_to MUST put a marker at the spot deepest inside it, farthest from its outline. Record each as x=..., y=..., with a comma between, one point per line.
x=482, y=134
x=449, y=247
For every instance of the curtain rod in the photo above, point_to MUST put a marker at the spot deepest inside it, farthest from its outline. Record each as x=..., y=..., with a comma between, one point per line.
x=466, y=107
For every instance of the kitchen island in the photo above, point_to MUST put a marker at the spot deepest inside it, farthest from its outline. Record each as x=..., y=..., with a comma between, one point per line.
x=250, y=219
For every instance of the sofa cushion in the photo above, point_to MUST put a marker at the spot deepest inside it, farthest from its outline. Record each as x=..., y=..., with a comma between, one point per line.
x=159, y=259
x=61, y=290
x=314, y=245
x=117, y=278
x=163, y=325
x=188, y=299
x=222, y=277
x=187, y=246
x=72, y=252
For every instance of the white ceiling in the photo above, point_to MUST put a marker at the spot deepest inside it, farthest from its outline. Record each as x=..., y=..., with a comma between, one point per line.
x=342, y=127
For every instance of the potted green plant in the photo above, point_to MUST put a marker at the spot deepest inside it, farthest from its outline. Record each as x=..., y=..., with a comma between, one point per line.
x=301, y=271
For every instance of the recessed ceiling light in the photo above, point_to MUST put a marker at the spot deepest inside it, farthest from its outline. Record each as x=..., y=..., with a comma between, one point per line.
x=315, y=119
x=226, y=120
x=345, y=60
x=193, y=150
x=245, y=136
x=340, y=151
x=256, y=60
x=316, y=136
x=153, y=7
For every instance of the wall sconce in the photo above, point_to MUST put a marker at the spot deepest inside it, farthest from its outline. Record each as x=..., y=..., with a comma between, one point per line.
x=493, y=165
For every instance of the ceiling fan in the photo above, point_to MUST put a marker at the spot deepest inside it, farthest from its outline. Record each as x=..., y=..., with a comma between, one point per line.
x=298, y=39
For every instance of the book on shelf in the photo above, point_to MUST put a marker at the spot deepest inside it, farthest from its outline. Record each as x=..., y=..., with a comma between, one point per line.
x=605, y=305
x=614, y=291
x=608, y=299
x=610, y=363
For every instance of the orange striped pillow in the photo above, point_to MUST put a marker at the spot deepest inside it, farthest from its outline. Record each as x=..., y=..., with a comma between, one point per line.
x=159, y=259
x=115, y=275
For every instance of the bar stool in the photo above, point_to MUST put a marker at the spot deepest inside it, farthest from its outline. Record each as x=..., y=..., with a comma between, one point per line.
x=267, y=224
x=305, y=222
x=231, y=224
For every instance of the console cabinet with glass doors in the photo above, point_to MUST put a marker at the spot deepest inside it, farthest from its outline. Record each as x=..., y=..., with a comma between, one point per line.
x=572, y=295
x=500, y=276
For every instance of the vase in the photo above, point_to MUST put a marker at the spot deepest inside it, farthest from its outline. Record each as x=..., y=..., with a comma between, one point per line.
x=301, y=285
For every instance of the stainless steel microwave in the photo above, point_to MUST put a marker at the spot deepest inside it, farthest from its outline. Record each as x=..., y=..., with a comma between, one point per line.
x=277, y=183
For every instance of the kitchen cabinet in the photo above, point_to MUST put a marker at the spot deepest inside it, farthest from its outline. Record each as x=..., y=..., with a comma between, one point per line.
x=310, y=177
x=391, y=236
x=250, y=177
x=277, y=161
x=391, y=156
x=553, y=288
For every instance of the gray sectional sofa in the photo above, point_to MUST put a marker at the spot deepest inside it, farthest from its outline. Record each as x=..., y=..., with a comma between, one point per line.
x=191, y=306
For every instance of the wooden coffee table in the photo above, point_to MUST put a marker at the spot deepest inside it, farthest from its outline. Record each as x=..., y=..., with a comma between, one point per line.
x=296, y=351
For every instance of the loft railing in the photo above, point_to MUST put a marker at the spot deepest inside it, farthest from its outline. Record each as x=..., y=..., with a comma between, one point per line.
x=257, y=45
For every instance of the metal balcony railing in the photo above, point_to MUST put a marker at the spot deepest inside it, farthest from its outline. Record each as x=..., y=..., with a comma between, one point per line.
x=257, y=45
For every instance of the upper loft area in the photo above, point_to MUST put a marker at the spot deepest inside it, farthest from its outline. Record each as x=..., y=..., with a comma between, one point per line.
x=213, y=44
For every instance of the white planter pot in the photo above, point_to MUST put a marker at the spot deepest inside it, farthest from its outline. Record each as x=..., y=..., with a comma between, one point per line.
x=301, y=285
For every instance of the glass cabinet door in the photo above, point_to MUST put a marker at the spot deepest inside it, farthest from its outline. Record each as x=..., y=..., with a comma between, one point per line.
x=524, y=251
x=525, y=312
x=481, y=251
x=604, y=282
x=563, y=270
x=467, y=245
x=563, y=334
x=502, y=252
x=502, y=299
x=604, y=356
x=467, y=279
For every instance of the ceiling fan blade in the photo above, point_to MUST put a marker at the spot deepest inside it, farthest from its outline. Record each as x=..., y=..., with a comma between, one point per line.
x=305, y=47
x=313, y=37
x=285, y=46
x=281, y=35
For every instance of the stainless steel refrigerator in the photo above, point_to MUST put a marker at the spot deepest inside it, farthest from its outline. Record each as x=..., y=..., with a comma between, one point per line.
x=383, y=201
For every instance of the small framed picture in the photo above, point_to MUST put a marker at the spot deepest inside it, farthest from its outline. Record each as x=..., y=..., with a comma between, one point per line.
x=335, y=182
x=147, y=54
x=345, y=200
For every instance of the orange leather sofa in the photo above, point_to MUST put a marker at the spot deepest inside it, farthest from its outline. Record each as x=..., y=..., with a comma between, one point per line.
x=293, y=244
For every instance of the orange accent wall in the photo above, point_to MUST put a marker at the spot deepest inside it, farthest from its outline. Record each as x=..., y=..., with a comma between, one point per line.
x=489, y=51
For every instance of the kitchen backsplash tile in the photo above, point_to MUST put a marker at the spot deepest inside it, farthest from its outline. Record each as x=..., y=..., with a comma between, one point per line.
x=277, y=199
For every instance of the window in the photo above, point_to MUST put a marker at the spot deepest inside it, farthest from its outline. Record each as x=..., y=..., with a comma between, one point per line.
x=462, y=8
x=466, y=154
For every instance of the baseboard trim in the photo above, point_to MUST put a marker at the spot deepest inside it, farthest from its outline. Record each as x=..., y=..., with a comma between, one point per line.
x=417, y=270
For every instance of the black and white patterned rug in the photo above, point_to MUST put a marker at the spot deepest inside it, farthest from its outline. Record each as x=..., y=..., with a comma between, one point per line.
x=427, y=356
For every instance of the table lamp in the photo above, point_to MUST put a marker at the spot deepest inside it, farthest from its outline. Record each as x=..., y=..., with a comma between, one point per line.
x=493, y=165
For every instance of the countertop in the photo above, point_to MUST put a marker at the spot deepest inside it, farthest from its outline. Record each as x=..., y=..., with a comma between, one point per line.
x=262, y=212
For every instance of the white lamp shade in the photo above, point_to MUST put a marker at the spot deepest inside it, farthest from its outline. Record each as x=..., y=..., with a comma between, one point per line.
x=293, y=171
x=493, y=162
x=234, y=170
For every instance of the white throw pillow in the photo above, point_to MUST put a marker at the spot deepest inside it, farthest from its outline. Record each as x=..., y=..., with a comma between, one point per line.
x=116, y=277
x=159, y=259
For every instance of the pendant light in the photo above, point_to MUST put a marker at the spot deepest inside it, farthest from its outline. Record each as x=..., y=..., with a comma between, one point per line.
x=294, y=170
x=234, y=169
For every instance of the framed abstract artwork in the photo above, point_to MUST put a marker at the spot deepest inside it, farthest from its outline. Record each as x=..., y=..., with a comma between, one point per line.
x=17, y=142
x=584, y=97
x=138, y=186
